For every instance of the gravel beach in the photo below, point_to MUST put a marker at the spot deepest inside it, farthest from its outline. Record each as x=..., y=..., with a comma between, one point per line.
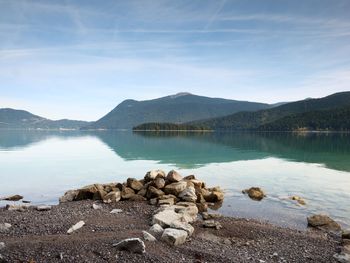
x=41, y=236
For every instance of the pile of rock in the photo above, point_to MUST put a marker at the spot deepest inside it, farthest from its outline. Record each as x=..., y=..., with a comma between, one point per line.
x=157, y=187
x=180, y=199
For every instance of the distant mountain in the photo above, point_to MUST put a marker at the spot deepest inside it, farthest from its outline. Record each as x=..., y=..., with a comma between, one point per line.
x=20, y=119
x=178, y=108
x=255, y=120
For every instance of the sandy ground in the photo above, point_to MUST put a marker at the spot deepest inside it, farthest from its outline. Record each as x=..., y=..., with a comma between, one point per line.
x=41, y=237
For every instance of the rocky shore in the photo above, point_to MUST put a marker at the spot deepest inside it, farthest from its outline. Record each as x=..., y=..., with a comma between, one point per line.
x=161, y=218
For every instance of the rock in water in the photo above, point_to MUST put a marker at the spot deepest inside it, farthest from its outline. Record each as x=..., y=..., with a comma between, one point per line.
x=174, y=236
x=4, y=227
x=134, y=245
x=12, y=198
x=255, y=193
x=76, y=227
x=43, y=207
x=300, y=200
x=323, y=222
x=173, y=177
x=148, y=237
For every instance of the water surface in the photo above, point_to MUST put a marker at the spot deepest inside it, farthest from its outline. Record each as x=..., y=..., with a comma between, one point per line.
x=42, y=165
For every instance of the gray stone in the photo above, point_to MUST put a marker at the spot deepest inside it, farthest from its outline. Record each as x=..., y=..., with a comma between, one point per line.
x=166, y=217
x=112, y=197
x=43, y=207
x=342, y=258
x=76, y=227
x=134, y=245
x=4, y=227
x=174, y=236
x=159, y=183
x=2, y=246
x=156, y=229
x=188, y=195
x=96, y=206
x=116, y=211
x=183, y=226
x=255, y=193
x=148, y=237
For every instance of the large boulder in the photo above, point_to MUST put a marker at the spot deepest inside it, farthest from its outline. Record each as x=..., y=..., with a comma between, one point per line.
x=173, y=177
x=213, y=196
x=158, y=183
x=112, y=197
x=127, y=192
x=153, y=192
x=183, y=226
x=93, y=191
x=166, y=217
x=156, y=229
x=69, y=196
x=188, y=195
x=255, y=193
x=175, y=188
x=134, y=184
x=174, y=236
x=151, y=175
x=134, y=245
x=323, y=222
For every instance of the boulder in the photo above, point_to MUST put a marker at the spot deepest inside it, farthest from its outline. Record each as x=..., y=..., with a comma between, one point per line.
x=345, y=234
x=153, y=201
x=110, y=187
x=159, y=183
x=188, y=195
x=211, y=224
x=183, y=226
x=153, y=192
x=323, y=222
x=43, y=207
x=166, y=217
x=197, y=183
x=75, y=227
x=255, y=193
x=148, y=237
x=93, y=191
x=169, y=201
x=342, y=257
x=156, y=229
x=190, y=177
x=173, y=177
x=174, y=236
x=127, y=192
x=137, y=198
x=175, y=188
x=151, y=175
x=19, y=208
x=300, y=200
x=12, y=198
x=142, y=192
x=112, y=197
x=202, y=207
x=5, y=227
x=134, y=245
x=134, y=184
x=69, y=196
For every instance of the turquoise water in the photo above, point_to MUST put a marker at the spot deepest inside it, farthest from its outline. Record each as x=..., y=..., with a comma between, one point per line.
x=42, y=165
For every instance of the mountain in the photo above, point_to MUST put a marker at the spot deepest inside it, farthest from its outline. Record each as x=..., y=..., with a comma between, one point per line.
x=20, y=119
x=326, y=120
x=254, y=120
x=178, y=108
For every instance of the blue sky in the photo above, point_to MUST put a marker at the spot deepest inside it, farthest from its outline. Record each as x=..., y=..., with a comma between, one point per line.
x=79, y=59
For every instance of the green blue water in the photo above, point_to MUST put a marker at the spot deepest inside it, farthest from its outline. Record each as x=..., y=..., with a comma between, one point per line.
x=42, y=165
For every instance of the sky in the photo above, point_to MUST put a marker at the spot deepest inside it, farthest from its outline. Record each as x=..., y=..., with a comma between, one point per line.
x=79, y=59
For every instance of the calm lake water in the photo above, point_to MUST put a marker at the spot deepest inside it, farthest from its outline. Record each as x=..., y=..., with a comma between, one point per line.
x=42, y=165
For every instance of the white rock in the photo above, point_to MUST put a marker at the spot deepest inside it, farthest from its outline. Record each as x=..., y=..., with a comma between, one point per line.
x=2, y=246
x=188, y=195
x=156, y=229
x=183, y=226
x=166, y=217
x=76, y=227
x=148, y=237
x=96, y=206
x=43, y=207
x=4, y=227
x=342, y=258
x=116, y=211
x=174, y=236
x=135, y=245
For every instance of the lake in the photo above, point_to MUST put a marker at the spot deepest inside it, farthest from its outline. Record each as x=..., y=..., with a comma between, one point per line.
x=42, y=165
